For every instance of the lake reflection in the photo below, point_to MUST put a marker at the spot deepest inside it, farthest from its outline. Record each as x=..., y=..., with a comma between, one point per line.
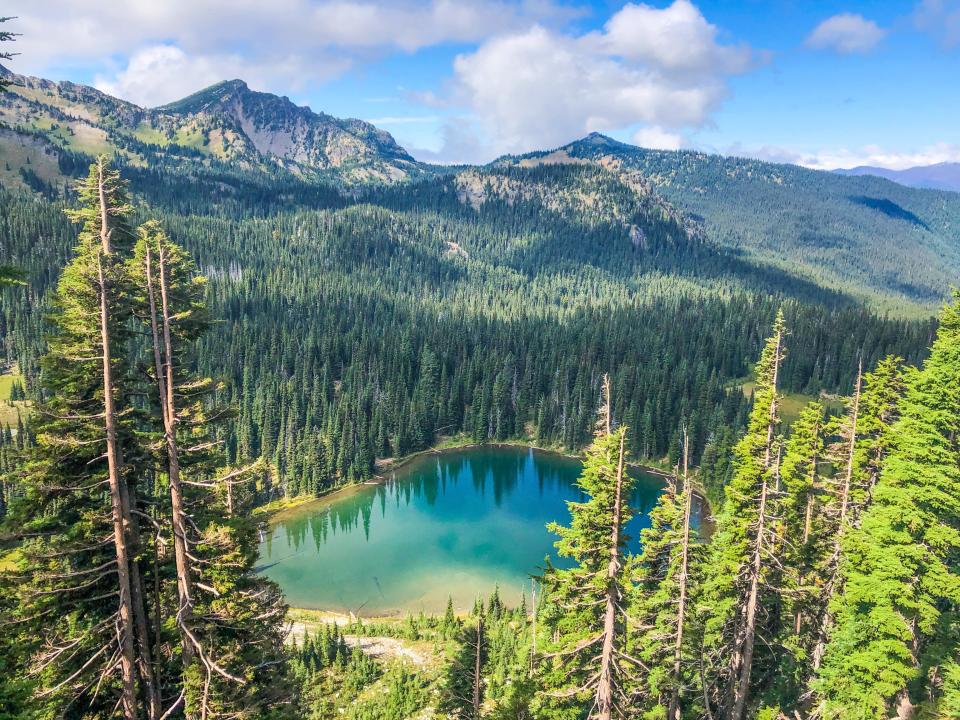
x=457, y=523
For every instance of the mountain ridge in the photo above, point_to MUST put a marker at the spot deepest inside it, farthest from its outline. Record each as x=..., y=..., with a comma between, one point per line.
x=938, y=176
x=224, y=122
x=242, y=151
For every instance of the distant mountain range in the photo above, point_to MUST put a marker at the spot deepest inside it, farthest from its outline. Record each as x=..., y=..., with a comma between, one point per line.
x=941, y=176
x=237, y=151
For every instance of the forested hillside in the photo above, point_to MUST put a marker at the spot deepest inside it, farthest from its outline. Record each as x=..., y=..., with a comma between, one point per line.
x=367, y=331
x=888, y=243
x=238, y=151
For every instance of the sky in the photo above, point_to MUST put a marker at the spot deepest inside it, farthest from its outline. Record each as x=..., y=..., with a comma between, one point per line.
x=818, y=83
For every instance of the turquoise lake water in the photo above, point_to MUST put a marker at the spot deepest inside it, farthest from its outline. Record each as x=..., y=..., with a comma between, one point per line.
x=456, y=523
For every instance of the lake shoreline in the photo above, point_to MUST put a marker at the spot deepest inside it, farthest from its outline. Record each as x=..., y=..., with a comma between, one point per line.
x=271, y=512
x=339, y=500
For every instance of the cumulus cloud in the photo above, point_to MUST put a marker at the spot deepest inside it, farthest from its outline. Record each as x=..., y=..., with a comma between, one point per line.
x=846, y=33
x=529, y=81
x=675, y=39
x=941, y=18
x=189, y=42
x=537, y=88
x=658, y=139
x=158, y=74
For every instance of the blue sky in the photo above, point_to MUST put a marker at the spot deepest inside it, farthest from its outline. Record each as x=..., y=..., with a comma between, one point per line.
x=826, y=84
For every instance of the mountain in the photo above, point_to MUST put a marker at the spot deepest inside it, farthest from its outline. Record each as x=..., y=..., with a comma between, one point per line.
x=279, y=129
x=940, y=176
x=45, y=123
x=890, y=244
x=234, y=151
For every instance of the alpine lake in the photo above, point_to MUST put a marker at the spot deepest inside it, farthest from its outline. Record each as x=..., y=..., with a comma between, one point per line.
x=456, y=523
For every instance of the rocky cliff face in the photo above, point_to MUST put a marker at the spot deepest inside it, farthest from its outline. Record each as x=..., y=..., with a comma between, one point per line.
x=279, y=129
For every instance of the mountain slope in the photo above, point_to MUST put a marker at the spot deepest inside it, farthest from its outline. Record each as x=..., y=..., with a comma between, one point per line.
x=879, y=240
x=940, y=176
x=226, y=124
x=231, y=150
x=277, y=128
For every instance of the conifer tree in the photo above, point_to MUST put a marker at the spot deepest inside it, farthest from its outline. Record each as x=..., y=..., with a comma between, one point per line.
x=585, y=667
x=81, y=576
x=229, y=619
x=658, y=633
x=899, y=566
x=736, y=601
x=9, y=275
x=863, y=440
x=463, y=688
x=803, y=546
x=5, y=36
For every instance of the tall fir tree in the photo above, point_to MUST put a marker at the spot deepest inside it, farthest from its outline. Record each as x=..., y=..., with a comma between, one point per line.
x=803, y=548
x=737, y=602
x=81, y=580
x=901, y=580
x=463, y=691
x=664, y=575
x=862, y=441
x=585, y=670
x=229, y=620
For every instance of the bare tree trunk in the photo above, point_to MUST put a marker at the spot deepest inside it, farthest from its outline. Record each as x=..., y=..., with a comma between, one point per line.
x=831, y=586
x=137, y=591
x=477, y=679
x=132, y=613
x=742, y=683
x=905, y=708
x=807, y=528
x=120, y=518
x=157, y=615
x=164, y=371
x=674, y=708
x=750, y=615
x=605, y=684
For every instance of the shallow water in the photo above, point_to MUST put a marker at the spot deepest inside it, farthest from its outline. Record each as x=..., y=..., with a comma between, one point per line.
x=457, y=524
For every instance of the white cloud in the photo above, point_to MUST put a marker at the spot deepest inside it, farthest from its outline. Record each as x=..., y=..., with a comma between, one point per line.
x=275, y=44
x=528, y=83
x=159, y=74
x=872, y=155
x=540, y=88
x=658, y=139
x=880, y=157
x=675, y=39
x=941, y=18
x=404, y=119
x=846, y=33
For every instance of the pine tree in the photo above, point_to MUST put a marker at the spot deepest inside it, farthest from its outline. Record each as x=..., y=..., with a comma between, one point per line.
x=899, y=565
x=660, y=604
x=803, y=548
x=81, y=576
x=736, y=597
x=585, y=667
x=463, y=687
x=863, y=440
x=6, y=36
x=229, y=619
